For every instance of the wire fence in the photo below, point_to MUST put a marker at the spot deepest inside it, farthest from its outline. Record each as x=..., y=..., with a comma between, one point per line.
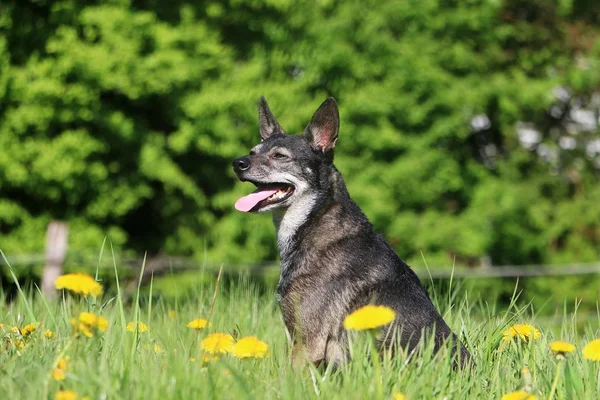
x=158, y=265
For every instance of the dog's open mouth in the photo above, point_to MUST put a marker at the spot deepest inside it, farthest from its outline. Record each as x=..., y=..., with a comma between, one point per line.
x=265, y=195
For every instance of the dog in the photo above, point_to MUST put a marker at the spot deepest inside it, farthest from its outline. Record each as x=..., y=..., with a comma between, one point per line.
x=332, y=260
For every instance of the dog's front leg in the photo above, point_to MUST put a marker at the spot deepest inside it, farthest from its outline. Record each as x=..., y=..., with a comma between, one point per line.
x=308, y=352
x=325, y=350
x=328, y=345
x=336, y=352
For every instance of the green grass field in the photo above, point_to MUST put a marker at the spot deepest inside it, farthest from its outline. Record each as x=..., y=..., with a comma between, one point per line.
x=166, y=361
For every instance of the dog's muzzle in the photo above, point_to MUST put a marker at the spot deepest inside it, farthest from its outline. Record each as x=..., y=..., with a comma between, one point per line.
x=241, y=164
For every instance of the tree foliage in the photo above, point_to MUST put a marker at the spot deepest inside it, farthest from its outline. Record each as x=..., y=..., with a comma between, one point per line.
x=469, y=128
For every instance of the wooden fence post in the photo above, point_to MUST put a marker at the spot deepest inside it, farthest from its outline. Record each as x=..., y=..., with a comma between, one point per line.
x=56, y=251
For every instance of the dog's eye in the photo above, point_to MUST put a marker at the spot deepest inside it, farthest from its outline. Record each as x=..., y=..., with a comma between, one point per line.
x=252, y=152
x=279, y=156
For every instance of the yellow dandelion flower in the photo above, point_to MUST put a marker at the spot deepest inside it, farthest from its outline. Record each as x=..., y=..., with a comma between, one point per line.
x=217, y=343
x=591, y=351
x=79, y=283
x=399, y=396
x=561, y=348
x=198, y=324
x=15, y=329
x=19, y=344
x=192, y=359
x=87, y=322
x=250, y=347
x=102, y=324
x=524, y=332
x=88, y=318
x=85, y=330
x=142, y=327
x=28, y=330
x=94, y=321
x=62, y=363
x=58, y=374
x=61, y=367
x=48, y=333
x=519, y=395
x=369, y=317
x=172, y=314
x=157, y=349
x=65, y=395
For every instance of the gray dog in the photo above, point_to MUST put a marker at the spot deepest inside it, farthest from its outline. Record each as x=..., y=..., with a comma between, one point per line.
x=332, y=260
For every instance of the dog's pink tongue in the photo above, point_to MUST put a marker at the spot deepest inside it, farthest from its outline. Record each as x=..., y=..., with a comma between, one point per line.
x=246, y=203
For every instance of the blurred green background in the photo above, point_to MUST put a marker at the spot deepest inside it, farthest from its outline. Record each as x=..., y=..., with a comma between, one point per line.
x=469, y=128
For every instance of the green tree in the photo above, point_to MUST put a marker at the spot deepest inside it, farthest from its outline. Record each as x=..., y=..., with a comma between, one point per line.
x=466, y=132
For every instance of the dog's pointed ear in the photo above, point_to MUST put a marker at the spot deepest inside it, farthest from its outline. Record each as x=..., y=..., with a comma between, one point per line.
x=268, y=123
x=322, y=132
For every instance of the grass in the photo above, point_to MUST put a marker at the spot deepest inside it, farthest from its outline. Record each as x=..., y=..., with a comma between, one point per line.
x=123, y=365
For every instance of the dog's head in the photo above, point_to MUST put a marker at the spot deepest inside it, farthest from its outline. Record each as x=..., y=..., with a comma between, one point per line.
x=285, y=168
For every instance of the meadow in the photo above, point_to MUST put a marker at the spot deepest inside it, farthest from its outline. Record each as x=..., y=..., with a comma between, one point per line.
x=84, y=345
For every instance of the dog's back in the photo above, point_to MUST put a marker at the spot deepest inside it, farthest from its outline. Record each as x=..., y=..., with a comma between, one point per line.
x=332, y=260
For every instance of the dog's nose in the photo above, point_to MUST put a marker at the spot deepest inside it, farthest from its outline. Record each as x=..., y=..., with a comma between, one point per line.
x=241, y=164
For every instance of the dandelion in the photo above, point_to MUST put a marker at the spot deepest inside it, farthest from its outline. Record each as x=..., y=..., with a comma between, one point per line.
x=157, y=349
x=94, y=321
x=561, y=348
x=142, y=327
x=198, y=324
x=80, y=327
x=79, y=283
x=48, y=333
x=192, y=360
x=249, y=347
x=399, y=396
x=524, y=332
x=369, y=317
x=59, y=372
x=87, y=322
x=28, y=330
x=217, y=343
x=102, y=324
x=519, y=395
x=591, y=351
x=65, y=395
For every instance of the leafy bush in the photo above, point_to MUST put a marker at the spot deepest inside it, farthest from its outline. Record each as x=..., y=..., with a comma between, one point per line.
x=122, y=118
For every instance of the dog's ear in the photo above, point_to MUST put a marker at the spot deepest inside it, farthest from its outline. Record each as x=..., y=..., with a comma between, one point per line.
x=268, y=123
x=322, y=132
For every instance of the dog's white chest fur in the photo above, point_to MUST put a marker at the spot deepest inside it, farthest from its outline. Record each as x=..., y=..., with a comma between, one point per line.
x=287, y=222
